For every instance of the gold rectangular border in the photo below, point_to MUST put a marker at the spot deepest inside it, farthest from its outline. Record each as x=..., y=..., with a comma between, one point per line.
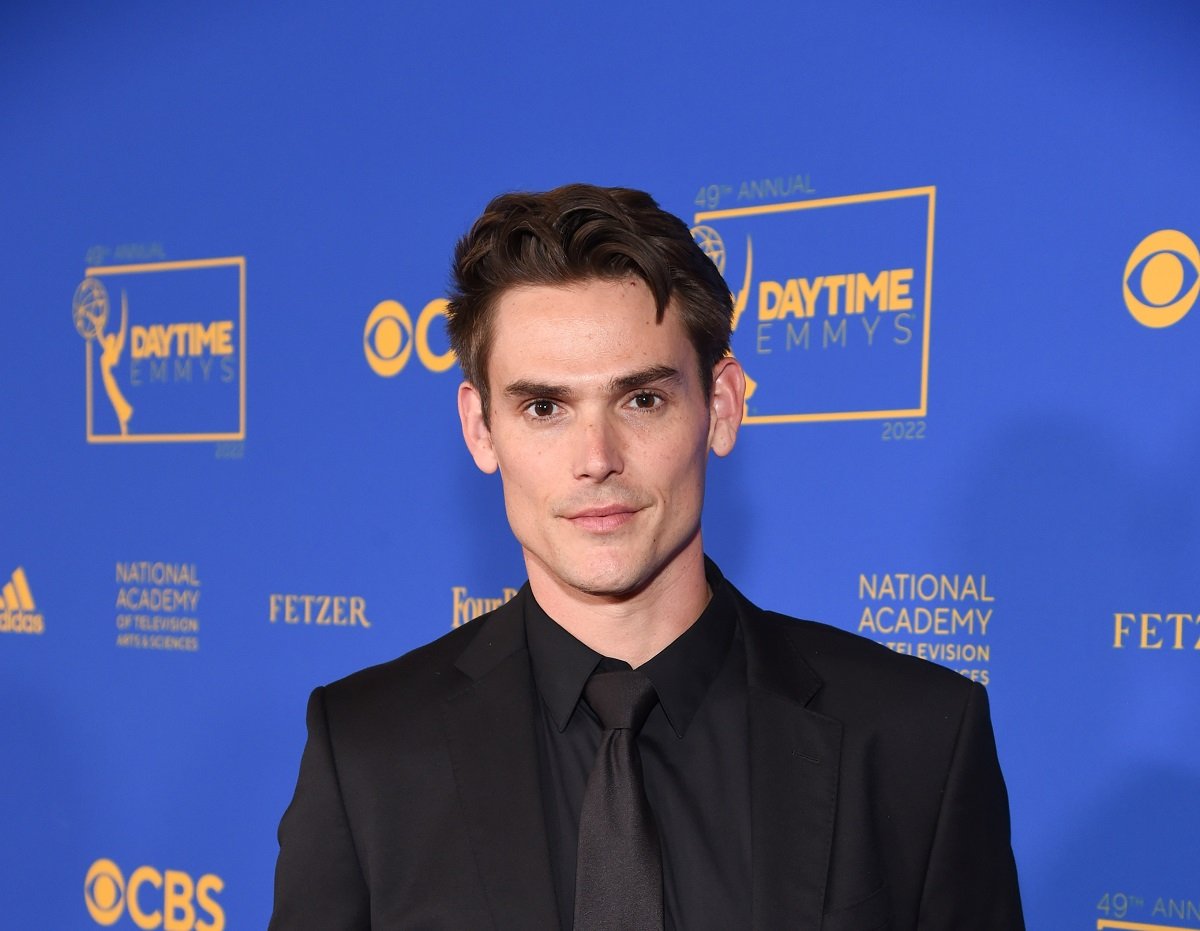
x=234, y=260
x=762, y=209
x=1137, y=926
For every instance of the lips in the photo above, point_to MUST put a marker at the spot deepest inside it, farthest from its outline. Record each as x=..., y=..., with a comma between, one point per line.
x=603, y=519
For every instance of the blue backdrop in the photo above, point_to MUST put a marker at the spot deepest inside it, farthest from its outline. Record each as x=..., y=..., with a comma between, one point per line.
x=962, y=239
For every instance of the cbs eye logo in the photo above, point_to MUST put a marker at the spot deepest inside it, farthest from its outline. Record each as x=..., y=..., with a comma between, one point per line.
x=1162, y=279
x=389, y=338
x=108, y=896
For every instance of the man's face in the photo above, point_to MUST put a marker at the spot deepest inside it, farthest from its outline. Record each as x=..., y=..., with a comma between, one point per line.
x=600, y=429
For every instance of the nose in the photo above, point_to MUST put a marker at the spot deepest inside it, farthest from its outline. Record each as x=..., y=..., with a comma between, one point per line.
x=598, y=449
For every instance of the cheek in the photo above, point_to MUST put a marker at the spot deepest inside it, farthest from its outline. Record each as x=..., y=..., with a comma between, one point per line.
x=679, y=481
x=684, y=461
x=517, y=461
x=525, y=488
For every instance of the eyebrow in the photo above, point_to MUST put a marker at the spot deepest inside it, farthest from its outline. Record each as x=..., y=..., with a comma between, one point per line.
x=655, y=374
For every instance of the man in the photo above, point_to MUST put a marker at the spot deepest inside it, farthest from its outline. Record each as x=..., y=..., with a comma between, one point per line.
x=774, y=773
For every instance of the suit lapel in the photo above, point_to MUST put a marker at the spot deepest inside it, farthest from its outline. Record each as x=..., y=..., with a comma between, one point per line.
x=794, y=760
x=493, y=748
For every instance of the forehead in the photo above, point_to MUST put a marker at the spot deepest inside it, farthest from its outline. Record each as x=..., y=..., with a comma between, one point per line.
x=596, y=326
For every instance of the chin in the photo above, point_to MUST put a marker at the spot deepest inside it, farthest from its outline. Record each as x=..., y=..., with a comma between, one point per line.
x=614, y=580
x=606, y=587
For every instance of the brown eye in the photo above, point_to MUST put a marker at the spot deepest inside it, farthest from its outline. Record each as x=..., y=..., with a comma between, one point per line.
x=542, y=408
x=645, y=401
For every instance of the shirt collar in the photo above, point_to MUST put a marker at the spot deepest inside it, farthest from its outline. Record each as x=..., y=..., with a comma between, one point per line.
x=681, y=673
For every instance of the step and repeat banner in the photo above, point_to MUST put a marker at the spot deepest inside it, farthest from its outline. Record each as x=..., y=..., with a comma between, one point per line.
x=962, y=242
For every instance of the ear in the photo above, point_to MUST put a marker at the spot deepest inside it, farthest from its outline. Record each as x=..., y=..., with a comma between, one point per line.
x=475, y=431
x=726, y=405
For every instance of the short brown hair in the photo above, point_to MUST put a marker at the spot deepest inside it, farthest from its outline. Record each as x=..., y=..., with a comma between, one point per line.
x=573, y=234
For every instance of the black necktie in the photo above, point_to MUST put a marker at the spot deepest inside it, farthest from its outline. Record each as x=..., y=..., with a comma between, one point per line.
x=618, y=875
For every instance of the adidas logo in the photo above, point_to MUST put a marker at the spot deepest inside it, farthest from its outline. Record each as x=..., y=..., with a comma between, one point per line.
x=18, y=613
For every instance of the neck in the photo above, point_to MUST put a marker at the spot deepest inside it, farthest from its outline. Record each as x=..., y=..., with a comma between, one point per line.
x=632, y=627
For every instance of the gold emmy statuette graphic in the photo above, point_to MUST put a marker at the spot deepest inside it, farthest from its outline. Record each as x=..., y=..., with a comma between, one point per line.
x=90, y=312
x=711, y=243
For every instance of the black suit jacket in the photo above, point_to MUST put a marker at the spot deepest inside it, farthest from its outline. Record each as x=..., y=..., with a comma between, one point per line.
x=877, y=800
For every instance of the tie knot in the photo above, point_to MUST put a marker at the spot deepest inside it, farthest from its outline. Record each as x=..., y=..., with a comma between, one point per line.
x=621, y=699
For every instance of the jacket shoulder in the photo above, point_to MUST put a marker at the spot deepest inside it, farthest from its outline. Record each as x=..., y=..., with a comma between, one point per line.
x=858, y=675
x=431, y=672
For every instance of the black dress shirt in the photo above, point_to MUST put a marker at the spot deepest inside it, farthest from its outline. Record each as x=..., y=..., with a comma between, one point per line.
x=695, y=760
